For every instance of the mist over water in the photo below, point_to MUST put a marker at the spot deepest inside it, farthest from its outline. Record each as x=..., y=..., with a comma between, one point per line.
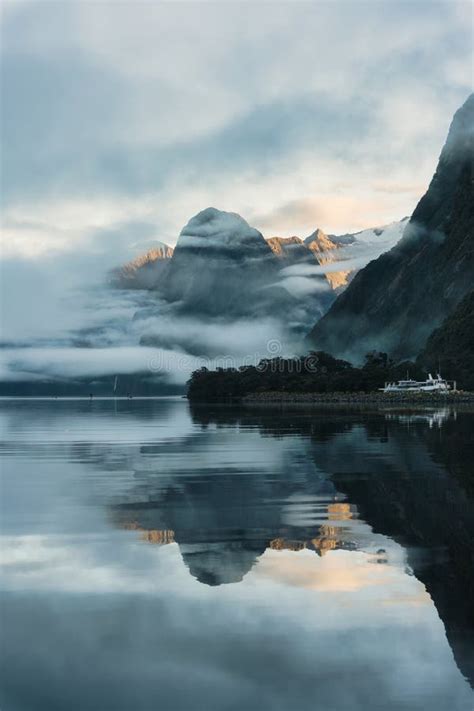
x=157, y=556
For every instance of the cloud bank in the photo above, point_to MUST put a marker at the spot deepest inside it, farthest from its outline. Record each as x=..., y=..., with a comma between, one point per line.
x=114, y=115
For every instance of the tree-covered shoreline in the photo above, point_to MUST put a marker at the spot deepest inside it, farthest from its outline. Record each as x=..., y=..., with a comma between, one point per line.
x=317, y=372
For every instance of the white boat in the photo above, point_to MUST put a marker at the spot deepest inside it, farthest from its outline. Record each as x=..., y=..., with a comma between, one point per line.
x=438, y=384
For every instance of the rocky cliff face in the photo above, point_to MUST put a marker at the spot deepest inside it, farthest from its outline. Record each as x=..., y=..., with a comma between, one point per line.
x=325, y=251
x=316, y=250
x=290, y=250
x=396, y=301
x=144, y=271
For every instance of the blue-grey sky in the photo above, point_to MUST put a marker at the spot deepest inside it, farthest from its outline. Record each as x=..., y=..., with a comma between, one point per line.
x=123, y=119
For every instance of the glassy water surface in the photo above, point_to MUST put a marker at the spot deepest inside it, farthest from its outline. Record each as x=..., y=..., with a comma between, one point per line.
x=160, y=557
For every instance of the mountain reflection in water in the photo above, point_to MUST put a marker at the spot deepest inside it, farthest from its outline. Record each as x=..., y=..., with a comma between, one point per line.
x=322, y=545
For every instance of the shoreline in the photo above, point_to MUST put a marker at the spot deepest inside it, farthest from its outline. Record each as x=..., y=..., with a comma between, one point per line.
x=359, y=398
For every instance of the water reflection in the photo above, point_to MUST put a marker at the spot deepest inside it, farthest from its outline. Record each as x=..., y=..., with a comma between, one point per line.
x=434, y=418
x=320, y=551
x=409, y=481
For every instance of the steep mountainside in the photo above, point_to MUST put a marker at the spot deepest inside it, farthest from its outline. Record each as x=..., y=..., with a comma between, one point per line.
x=290, y=250
x=324, y=249
x=451, y=346
x=222, y=266
x=395, y=302
x=144, y=271
x=299, y=257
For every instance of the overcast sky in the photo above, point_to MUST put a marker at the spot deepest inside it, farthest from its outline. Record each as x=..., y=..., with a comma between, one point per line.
x=121, y=120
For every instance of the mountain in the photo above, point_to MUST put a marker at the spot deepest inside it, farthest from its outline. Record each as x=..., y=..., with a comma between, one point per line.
x=290, y=250
x=321, y=249
x=324, y=249
x=339, y=256
x=297, y=274
x=450, y=347
x=384, y=237
x=396, y=301
x=144, y=271
x=298, y=264
x=222, y=267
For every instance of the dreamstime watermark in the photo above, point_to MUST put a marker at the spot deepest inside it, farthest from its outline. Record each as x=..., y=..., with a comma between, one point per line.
x=271, y=360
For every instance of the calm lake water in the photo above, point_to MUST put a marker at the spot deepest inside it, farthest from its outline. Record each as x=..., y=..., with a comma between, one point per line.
x=162, y=558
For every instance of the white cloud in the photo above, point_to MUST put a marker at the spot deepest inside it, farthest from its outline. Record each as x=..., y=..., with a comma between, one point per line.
x=173, y=77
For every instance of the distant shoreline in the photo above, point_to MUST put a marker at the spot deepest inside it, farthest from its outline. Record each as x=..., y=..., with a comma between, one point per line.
x=94, y=398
